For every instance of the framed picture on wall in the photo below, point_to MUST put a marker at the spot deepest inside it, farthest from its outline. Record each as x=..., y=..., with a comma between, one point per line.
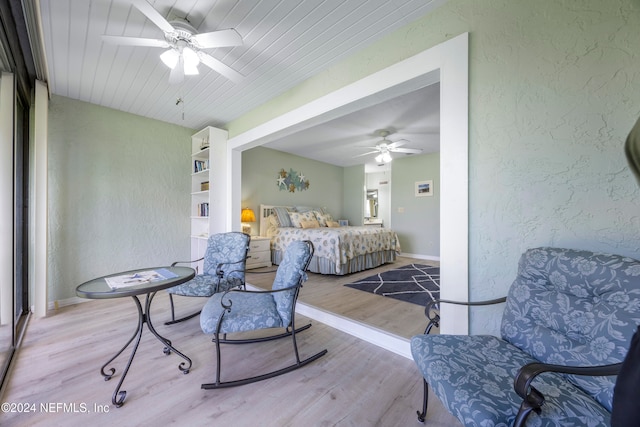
x=424, y=188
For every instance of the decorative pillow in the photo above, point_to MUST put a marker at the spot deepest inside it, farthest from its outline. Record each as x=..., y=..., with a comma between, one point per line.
x=272, y=225
x=312, y=223
x=333, y=224
x=283, y=216
x=323, y=218
x=296, y=217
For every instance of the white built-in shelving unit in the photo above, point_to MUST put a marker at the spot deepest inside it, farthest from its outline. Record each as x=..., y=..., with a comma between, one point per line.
x=208, y=188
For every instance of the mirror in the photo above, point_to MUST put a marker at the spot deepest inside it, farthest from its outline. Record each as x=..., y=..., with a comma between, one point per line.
x=372, y=204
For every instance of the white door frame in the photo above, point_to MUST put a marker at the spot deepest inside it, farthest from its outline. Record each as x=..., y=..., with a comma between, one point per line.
x=447, y=63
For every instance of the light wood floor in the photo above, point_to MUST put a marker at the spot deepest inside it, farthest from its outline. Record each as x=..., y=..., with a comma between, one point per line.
x=355, y=384
x=329, y=293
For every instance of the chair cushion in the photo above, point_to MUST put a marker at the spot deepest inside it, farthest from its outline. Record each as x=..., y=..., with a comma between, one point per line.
x=473, y=377
x=204, y=285
x=229, y=248
x=571, y=307
x=290, y=273
x=249, y=311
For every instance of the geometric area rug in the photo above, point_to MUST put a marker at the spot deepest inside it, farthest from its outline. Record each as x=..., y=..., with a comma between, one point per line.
x=414, y=283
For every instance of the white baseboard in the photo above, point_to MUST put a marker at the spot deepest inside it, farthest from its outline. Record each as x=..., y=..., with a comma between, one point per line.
x=370, y=334
x=418, y=256
x=54, y=305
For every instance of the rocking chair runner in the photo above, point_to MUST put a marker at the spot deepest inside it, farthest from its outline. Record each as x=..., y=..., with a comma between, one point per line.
x=241, y=311
x=223, y=269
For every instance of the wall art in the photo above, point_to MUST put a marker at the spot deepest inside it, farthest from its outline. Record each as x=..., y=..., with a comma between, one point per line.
x=292, y=181
x=424, y=188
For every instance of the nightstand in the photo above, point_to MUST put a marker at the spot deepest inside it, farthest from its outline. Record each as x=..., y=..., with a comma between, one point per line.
x=259, y=252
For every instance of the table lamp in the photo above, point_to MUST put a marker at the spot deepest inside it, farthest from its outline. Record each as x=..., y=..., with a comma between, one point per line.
x=247, y=215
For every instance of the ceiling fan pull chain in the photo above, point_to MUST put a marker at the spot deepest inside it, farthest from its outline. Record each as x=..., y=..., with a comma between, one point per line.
x=180, y=101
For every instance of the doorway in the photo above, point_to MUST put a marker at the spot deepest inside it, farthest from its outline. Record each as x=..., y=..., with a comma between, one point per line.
x=446, y=63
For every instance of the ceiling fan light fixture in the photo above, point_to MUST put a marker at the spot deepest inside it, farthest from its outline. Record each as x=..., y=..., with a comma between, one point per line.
x=170, y=58
x=184, y=43
x=386, y=157
x=191, y=61
x=379, y=158
x=191, y=58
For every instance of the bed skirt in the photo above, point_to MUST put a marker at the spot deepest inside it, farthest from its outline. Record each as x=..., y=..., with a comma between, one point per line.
x=361, y=262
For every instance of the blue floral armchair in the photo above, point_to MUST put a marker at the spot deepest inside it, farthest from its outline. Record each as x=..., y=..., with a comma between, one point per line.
x=223, y=268
x=568, y=321
x=243, y=310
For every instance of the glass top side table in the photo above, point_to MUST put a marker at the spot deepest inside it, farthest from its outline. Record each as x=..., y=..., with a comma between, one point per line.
x=132, y=283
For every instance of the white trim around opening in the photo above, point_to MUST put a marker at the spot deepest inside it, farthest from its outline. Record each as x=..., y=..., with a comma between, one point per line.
x=446, y=63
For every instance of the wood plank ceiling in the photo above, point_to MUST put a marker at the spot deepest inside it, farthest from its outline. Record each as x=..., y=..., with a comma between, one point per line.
x=285, y=43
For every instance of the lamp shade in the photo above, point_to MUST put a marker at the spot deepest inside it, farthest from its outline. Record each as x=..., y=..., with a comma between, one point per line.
x=191, y=62
x=170, y=58
x=247, y=215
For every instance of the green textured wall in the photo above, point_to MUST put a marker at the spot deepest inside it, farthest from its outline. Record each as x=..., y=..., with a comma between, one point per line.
x=353, y=200
x=553, y=93
x=118, y=193
x=260, y=167
x=416, y=219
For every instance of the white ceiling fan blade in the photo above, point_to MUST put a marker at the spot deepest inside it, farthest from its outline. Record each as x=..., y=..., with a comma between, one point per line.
x=406, y=150
x=177, y=73
x=134, y=41
x=219, y=67
x=220, y=38
x=397, y=143
x=366, y=154
x=153, y=15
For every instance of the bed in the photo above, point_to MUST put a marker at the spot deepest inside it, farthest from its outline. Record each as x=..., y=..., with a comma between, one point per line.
x=338, y=250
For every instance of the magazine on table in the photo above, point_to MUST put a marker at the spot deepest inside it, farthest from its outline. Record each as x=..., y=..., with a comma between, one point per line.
x=139, y=278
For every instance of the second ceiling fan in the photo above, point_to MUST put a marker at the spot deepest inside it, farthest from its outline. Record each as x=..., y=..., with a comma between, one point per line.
x=184, y=45
x=385, y=147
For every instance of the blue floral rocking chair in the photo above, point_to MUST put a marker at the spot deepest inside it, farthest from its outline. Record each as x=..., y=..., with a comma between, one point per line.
x=223, y=268
x=243, y=310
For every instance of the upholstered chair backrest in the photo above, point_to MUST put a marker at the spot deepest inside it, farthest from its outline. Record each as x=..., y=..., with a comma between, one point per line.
x=572, y=307
x=227, y=248
x=291, y=272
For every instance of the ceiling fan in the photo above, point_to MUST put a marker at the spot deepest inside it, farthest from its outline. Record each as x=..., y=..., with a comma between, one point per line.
x=184, y=45
x=385, y=147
